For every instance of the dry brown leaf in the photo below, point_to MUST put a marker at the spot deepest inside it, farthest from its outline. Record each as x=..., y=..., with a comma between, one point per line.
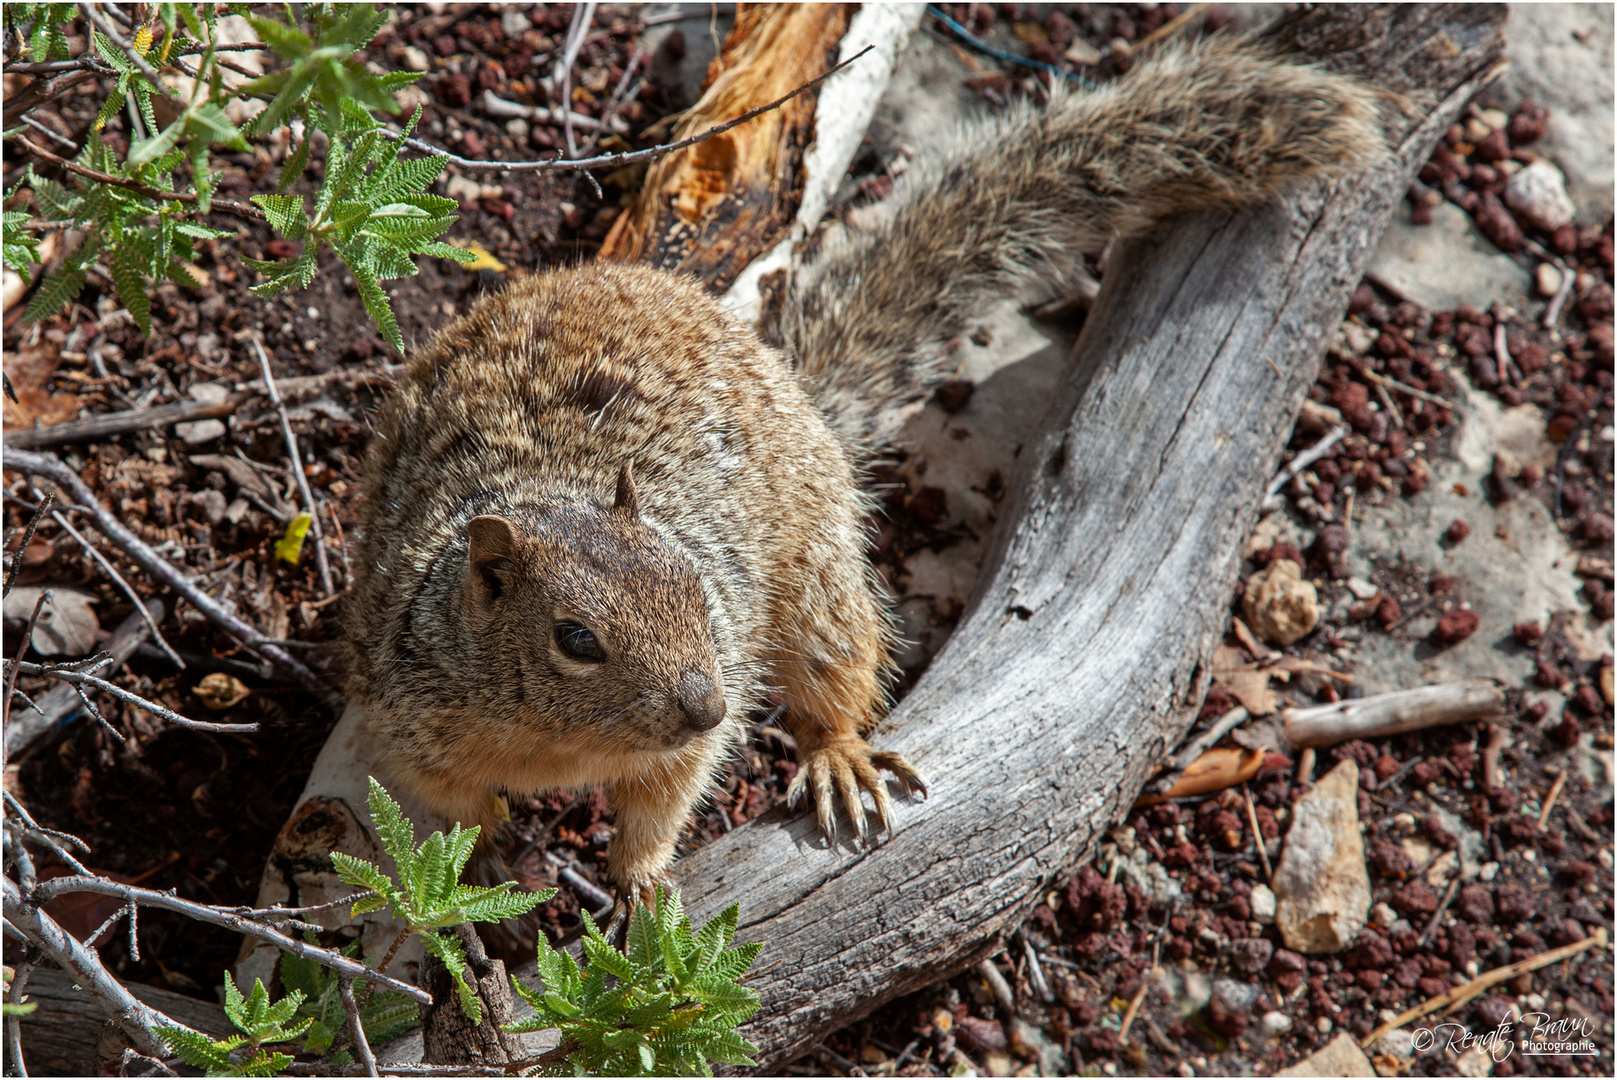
x=67, y=623
x=1215, y=770
x=219, y=691
x=1246, y=681
x=30, y=373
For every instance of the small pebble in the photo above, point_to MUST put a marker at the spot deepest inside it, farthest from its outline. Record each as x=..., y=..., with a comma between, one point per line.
x=415, y=59
x=1548, y=280
x=1361, y=588
x=1276, y=1023
x=1323, y=1025
x=1538, y=193
x=1382, y=916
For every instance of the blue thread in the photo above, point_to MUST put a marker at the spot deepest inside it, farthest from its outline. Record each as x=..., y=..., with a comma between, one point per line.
x=1000, y=54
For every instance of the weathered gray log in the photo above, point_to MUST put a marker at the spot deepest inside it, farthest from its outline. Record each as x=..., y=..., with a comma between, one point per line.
x=65, y=1036
x=1085, y=652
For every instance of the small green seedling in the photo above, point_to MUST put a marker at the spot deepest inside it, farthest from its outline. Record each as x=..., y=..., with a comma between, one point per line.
x=428, y=896
x=384, y=1014
x=259, y=1021
x=673, y=1005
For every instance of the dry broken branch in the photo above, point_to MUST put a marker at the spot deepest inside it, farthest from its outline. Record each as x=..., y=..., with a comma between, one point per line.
x=1392, y=713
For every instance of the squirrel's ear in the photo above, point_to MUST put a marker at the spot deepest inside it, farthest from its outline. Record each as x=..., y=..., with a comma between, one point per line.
x=493, y=541
x=492, y=538
x=628, y=500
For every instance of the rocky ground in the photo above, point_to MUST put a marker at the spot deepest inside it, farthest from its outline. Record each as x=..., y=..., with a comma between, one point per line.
x=1461, y=528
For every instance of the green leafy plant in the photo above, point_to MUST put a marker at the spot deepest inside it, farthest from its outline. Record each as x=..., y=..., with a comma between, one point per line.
x=260, y=1022
x=428, y=896
x=668, y=1004
x=135, y=209
x=384, y=1014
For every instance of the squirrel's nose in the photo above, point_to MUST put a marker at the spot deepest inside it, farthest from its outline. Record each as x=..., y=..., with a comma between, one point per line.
x=700, y=701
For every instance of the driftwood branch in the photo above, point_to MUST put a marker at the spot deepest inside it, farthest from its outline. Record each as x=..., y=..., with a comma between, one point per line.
x=1393, y=713
x=1087, y=647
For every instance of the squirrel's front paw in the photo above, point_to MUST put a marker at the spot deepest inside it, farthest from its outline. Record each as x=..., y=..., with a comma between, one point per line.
x=848, y=763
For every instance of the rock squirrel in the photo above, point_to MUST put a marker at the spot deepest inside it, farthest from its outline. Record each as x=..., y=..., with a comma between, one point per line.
x=601, y=516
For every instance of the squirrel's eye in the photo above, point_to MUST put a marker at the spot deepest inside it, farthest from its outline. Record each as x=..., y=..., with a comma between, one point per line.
x=578, y=642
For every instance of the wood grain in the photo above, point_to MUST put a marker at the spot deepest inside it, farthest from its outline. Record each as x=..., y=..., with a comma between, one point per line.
x=1084, y=654
x=710, y=209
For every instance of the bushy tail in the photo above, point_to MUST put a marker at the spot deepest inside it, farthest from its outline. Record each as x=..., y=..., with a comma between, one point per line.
x=1214, y=125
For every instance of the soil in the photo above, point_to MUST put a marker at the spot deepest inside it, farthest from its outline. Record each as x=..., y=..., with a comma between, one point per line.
x=197, y=813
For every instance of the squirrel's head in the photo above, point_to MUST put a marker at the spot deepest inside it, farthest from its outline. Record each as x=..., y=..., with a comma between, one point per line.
x=597, y=619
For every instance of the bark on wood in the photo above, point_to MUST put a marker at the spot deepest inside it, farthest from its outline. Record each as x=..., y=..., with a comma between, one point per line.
x=1394, y=713
x=712, y=208
x=1085, y=652
x=94, y=428
x=448, y=1035
x=62, y=1037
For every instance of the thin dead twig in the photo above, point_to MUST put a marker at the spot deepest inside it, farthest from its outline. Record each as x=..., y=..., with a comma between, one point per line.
x=1257, y=834
x=105, y=425
x=1442, y=906
x=297, y=469
x=22, y=650
x=60, y=140
x=1549, y=800
x=633, y=157
x=345, y=987
x=244, y=210
x=1465, y=992
x=583, y=15
x=1301, y=462
x=136, y=1019
x=1405, y=388
x=27, y=538
x=342, y=965
x=128, y=590
x=79, y=678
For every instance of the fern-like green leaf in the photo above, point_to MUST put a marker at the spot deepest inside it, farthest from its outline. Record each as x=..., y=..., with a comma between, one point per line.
x=128, y=277
x=376, y=303
x=55, y=293
x=285, y=214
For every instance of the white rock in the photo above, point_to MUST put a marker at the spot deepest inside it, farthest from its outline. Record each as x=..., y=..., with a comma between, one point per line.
x=1383, y=916
x=1339, y=1057
x=415, y=59
x=1548, y=279
x=1444, y=264
x=1276, y=1023
x=1538, y=193
x=1083, y=53
x=198, y=432
x=1399, y=1042
x=1361, y=588
x=1321, y=883
x=1262, y=902
x=515, y=24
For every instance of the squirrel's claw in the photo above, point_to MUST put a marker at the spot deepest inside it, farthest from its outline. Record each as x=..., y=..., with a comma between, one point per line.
x=845, y=768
